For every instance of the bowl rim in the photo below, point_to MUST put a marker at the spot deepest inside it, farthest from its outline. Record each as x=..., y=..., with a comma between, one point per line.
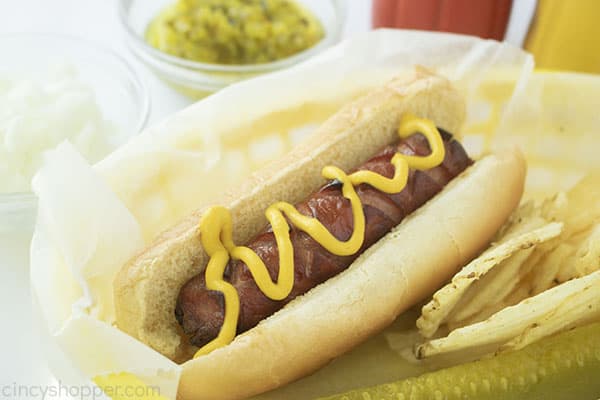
x=139, y=85
x=324, y=43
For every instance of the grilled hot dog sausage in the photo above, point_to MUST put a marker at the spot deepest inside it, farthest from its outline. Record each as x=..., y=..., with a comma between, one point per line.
x=200, y=311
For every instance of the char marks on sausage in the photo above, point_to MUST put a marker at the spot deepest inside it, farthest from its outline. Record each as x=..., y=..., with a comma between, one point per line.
x=200, y=311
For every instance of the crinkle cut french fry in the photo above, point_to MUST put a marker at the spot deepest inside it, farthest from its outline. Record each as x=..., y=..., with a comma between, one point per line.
x=572, y=258
x=523, y=289
x=444, y=300
x=481, y=315
x=583, y=257
x=520, y=293
x=504, y=291
x=490, y=289
x=517, y=295
x=525, y=218
x=543, y=275
x=435, y=312
x=579, y=309
x=581, y=215
x=510, y=322
x=583, y=209
x=567, y=270
x=494, y=286
x=588, y=255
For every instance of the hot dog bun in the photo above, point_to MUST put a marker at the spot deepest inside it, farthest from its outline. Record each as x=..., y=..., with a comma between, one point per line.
x=405, y=266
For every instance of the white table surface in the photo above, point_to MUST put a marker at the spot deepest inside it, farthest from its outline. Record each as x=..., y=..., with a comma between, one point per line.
x=23, y=371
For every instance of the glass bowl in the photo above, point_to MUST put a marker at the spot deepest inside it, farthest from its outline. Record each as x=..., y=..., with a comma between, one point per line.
x=120, y=95
x=197, y=79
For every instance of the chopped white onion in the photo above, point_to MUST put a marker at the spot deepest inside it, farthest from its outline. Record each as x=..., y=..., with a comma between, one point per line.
x=39, y=112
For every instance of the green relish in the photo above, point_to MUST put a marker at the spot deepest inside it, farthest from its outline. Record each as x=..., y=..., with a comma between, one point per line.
x=234, y=32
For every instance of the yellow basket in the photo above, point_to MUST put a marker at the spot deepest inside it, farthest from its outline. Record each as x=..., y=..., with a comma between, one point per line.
x=552, y=118
x=555, y=120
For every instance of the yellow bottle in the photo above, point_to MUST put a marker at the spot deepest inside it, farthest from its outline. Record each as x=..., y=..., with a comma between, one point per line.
x=565, y=35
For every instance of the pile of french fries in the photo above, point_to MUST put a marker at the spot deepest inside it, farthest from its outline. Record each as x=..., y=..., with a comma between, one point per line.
x=541, y=276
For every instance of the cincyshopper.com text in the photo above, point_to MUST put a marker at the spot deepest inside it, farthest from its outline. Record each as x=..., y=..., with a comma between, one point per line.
x=60, y=391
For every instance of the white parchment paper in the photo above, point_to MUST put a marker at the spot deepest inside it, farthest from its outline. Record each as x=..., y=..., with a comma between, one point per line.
x=93, y=218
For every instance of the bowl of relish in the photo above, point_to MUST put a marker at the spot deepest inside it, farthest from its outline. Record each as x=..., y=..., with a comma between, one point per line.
x=201, y=46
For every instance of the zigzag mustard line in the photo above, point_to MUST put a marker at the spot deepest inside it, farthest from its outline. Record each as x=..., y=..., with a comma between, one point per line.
x=216, y=229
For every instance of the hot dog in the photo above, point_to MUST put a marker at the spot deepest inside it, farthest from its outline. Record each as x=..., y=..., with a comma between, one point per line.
x=340, y=297
x=200, y=311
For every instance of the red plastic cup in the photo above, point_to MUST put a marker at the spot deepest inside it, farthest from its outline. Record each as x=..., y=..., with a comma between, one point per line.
x=484, y=18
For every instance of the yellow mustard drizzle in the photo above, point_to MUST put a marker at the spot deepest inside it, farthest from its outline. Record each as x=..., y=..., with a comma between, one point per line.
x=216, y=229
